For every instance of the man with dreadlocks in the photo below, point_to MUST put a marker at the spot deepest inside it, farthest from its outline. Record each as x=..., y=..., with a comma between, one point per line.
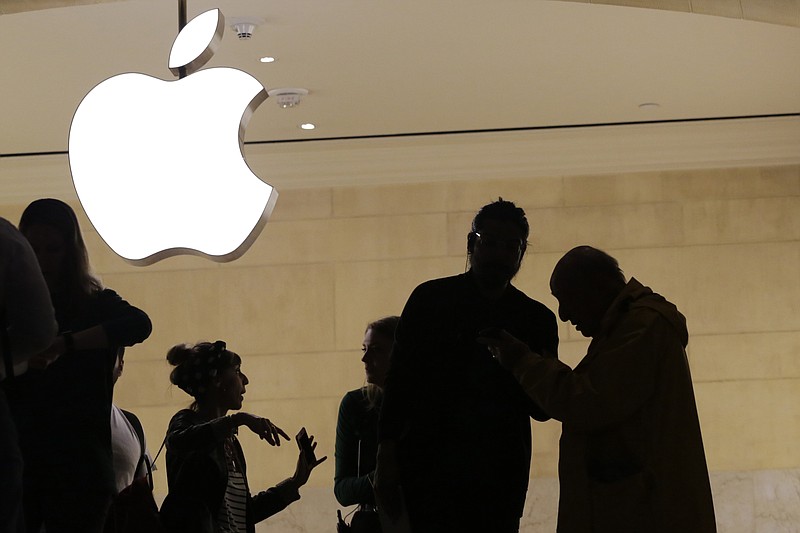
x=455, y=433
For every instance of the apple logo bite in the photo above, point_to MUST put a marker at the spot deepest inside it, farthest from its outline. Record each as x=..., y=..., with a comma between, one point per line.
x=158, y=165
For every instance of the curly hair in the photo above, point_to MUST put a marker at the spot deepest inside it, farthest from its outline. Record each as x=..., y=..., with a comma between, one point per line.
x=196, y=366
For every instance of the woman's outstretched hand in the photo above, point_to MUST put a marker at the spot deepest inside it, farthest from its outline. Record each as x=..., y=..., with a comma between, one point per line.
x=262, y=427
x=304, y=466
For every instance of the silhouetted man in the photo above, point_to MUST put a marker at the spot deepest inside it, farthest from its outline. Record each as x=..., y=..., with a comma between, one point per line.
x=29, y=325
x=631, y=456
x=455, y=428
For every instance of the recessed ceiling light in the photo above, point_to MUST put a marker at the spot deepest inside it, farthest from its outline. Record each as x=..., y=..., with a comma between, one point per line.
x=649, y=105
x=267, y=59
x=307, y=126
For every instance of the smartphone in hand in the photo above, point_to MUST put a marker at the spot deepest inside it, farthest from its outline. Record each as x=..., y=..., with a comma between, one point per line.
x=304, y=443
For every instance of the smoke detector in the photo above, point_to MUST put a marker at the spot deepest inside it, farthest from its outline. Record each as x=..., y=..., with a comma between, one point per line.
x=287, y=97
x=245, y=26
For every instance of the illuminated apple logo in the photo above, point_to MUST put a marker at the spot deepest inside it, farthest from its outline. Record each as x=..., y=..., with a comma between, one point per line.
x=158, y=165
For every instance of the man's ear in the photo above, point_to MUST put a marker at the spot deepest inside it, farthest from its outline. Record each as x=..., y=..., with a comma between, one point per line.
x=471, y=237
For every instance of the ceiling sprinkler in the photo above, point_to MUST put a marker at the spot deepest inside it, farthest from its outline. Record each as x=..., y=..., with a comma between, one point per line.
x=245, y=26
x=287, y=97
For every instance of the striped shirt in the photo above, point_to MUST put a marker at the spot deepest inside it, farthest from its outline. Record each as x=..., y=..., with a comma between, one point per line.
x=232, y=515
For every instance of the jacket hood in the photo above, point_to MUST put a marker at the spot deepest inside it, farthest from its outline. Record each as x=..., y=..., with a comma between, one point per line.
x=635, y=295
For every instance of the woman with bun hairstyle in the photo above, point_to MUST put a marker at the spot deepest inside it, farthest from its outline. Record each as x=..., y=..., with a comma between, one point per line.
x=206, y=470
x=62, y=405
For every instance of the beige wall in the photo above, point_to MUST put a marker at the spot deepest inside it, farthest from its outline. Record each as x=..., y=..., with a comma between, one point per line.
x=721, y=244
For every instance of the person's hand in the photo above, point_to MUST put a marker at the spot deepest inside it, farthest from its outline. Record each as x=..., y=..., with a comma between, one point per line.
x=49, y=356
x=386, y=482
x=262, y=427
x=304, y=467
x=506, y=348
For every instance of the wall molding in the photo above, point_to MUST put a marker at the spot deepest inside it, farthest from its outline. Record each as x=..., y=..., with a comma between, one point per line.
x=526, y=154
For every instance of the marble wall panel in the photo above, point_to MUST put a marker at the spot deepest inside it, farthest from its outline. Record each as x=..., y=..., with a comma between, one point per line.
x=313, y=374
x=184, y=306
x=616, y=226
x=748, y=182
x=469, y=196
x=389, y=200
x=777, y=501
x=641, y=187
x=278, y=309
x=367, y=290
x=303, y=204
x=745, y=356
x=741, y=288
x=345, y=239
x=749, y=425
x=734, y=501
x=742, y=220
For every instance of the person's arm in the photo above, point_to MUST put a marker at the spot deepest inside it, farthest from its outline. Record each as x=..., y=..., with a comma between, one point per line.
x=122, y=325
x=620, y=379
x=407, y=370
x=88, y=339
x=350, y=488
x=401, y=396
x=547, y=326
x=551, y=335
x=188, y=432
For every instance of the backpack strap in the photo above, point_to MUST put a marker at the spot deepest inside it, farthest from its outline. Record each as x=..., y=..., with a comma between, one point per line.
x=139, y=430
x=137, y=427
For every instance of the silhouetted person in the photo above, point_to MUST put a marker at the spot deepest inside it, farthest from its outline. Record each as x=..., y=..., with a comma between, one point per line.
x=357, y=425
x=631, y=456
x=206, y=470
x=62, y=405
x=28, y=327
x=455, y=429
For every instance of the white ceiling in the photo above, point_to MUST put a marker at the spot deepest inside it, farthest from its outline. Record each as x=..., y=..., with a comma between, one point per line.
x=417, y=66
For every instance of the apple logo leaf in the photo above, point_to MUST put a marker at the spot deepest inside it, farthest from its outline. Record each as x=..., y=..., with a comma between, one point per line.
x=197, y=42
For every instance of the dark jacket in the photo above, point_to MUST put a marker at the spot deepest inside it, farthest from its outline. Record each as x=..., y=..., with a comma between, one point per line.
x=631, y=454
x=63, y=413
x=356, y=449
x=197, y=476
x=461, y=422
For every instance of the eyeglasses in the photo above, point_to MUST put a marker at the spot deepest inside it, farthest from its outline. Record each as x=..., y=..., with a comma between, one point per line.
x=509, y=245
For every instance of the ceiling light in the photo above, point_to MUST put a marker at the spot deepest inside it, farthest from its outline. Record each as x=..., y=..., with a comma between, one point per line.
x=307, y=126
x=287, y=97
x=649, y=105
x=267, y=59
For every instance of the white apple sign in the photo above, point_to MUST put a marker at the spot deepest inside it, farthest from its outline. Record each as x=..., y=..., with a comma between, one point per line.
x=158, y=165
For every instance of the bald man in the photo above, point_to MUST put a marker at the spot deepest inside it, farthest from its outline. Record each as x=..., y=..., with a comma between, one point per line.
x=631, y=453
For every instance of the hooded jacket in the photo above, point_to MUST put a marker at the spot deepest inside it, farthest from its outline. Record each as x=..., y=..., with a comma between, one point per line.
x=631, y=452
